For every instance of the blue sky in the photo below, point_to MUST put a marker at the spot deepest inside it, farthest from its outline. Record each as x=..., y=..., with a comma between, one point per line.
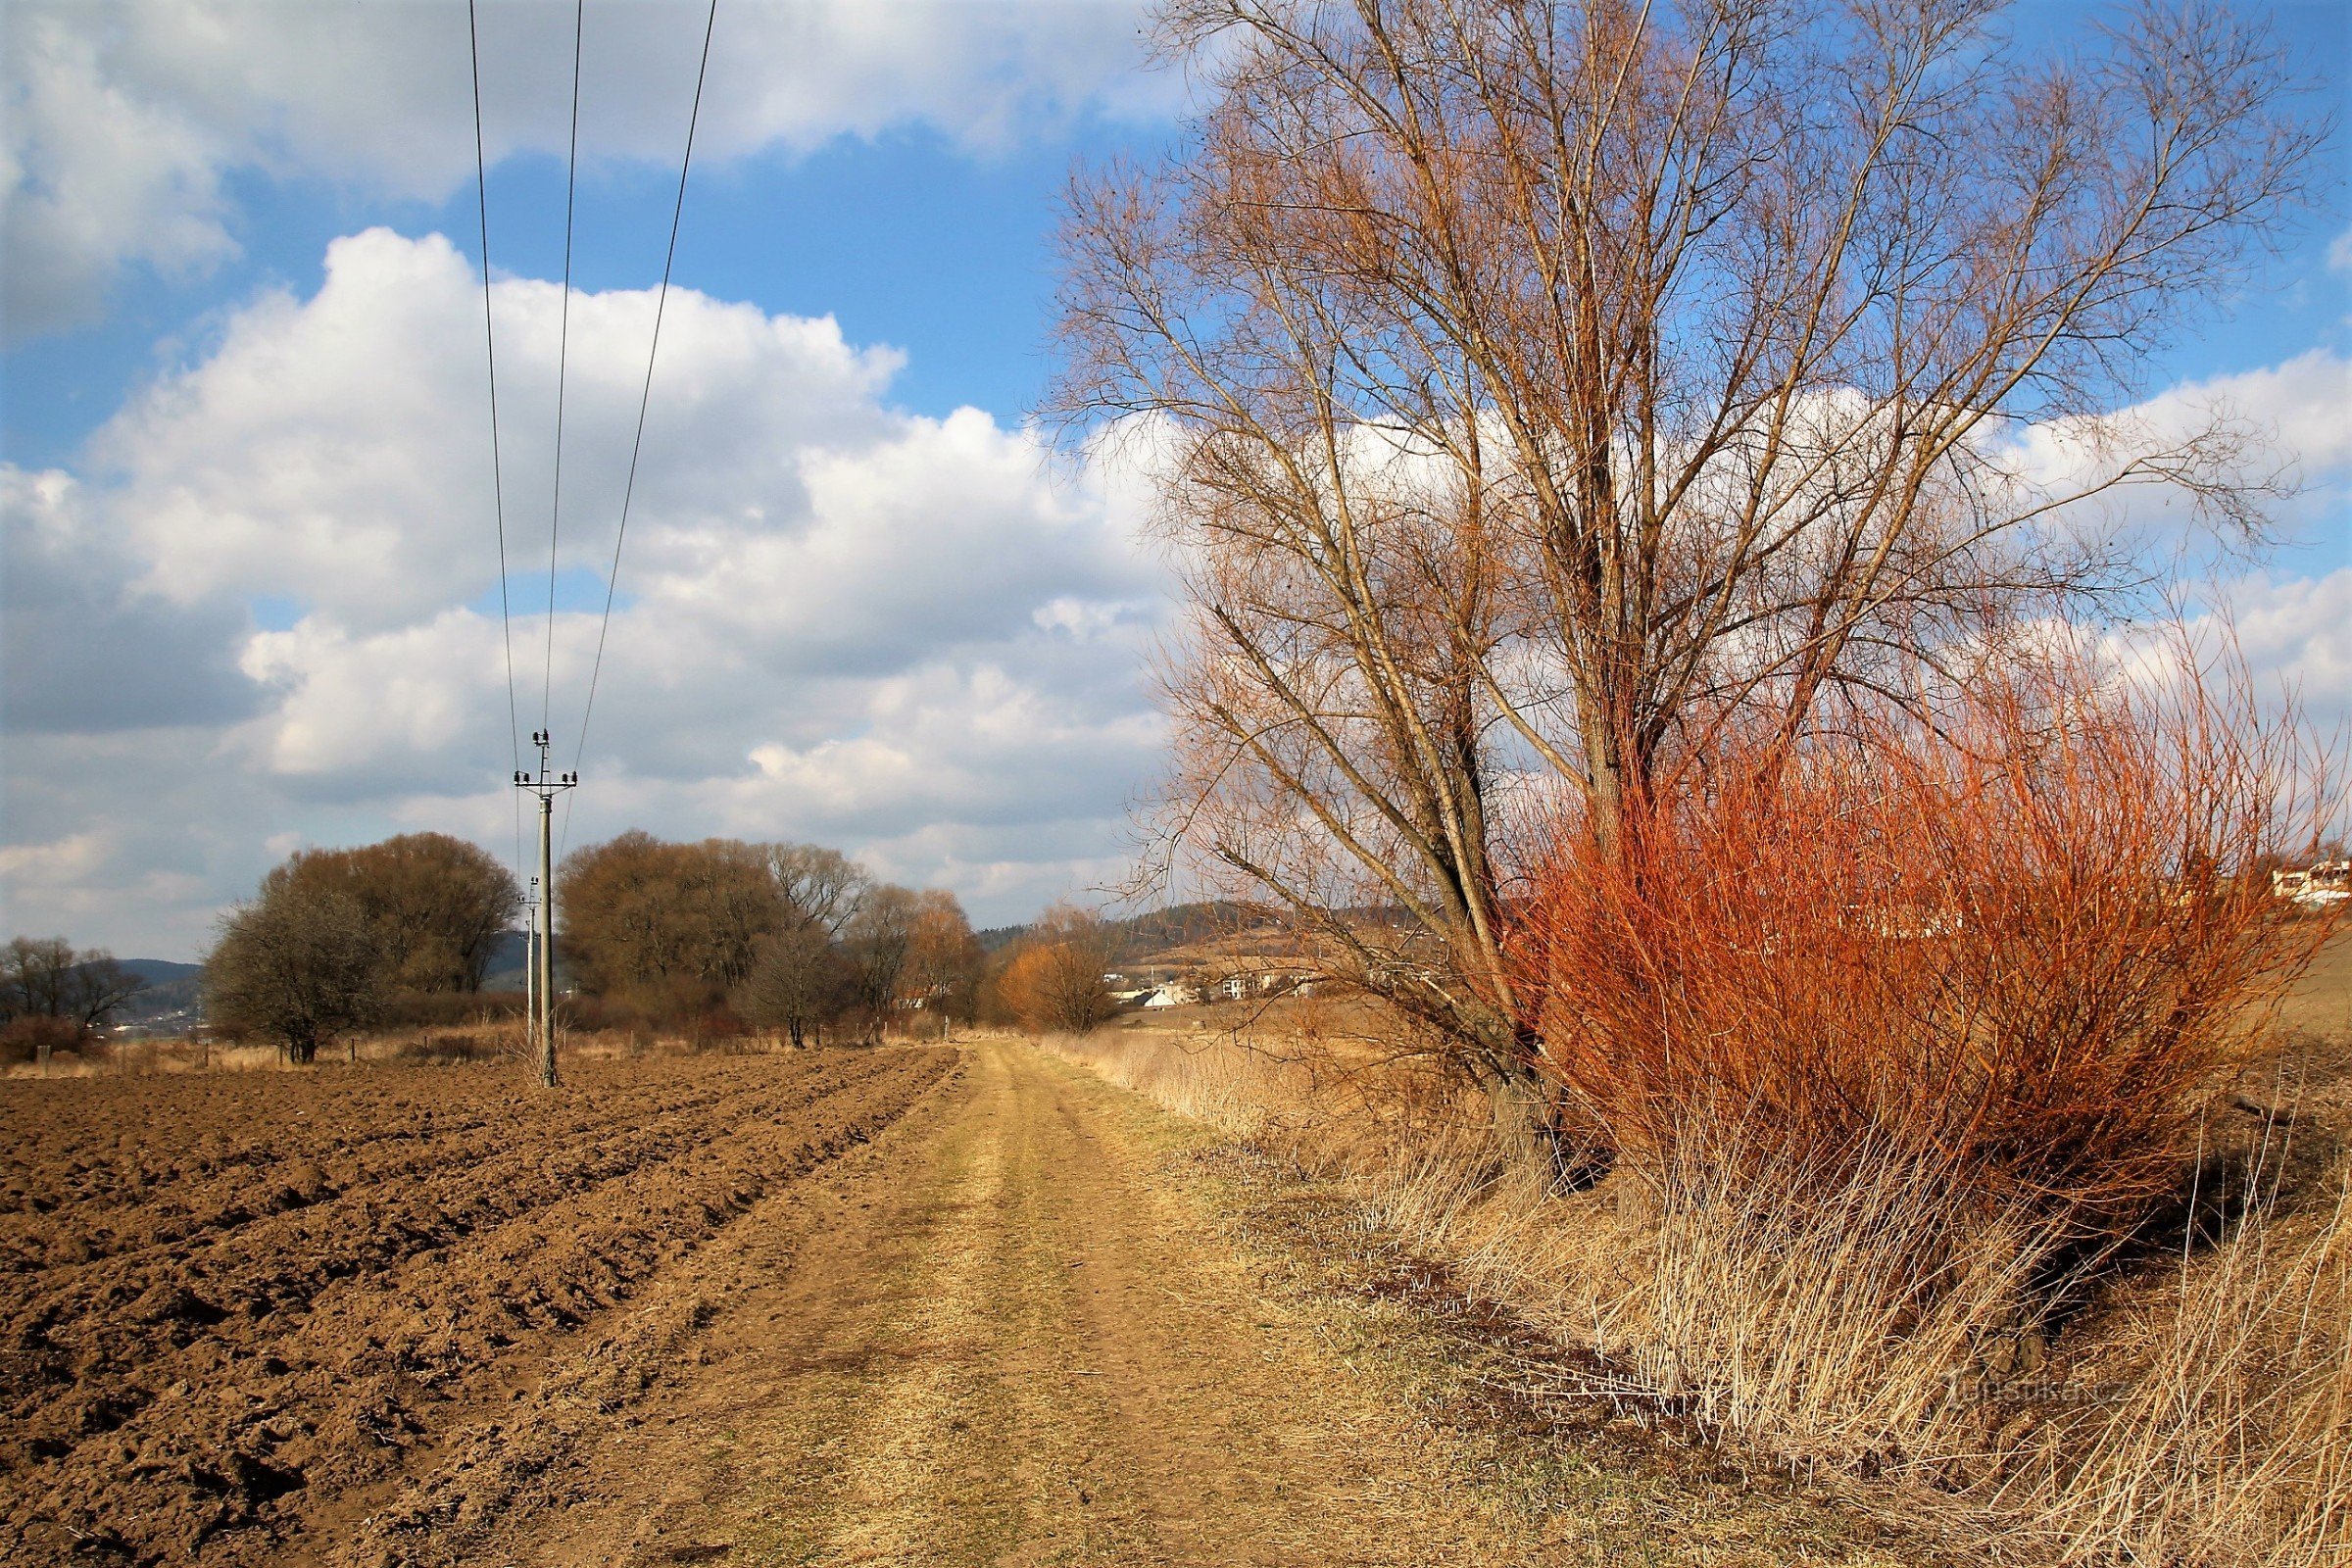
x=247, y=492
x=909, y=239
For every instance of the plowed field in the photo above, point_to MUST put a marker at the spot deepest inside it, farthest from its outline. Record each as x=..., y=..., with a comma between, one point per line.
x=247, y=1315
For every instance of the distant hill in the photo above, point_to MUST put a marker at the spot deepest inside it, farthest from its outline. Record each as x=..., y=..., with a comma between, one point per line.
x=1180, y=925
x=161, y=971
x=1155, y=931
x=171, y=996
x=506, y=959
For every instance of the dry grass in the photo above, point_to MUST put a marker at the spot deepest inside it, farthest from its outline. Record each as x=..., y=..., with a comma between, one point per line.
x=2191, y=1408
x=493, y=1041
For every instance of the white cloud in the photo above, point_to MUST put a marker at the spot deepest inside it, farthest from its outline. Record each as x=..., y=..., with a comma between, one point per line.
x=914, y=637
x=2303, y=408
x=977, y=746
x=393, y=706
x=122, y=120
x=2283, y=430
x=93, y=175
x=337, y=450
x=84, y=654
x=2296, y=634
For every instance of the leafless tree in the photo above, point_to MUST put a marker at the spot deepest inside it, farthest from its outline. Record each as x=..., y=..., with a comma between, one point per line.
x=101, y=986
x=824, y=885
x=72, y=993
x=671, y=926
x=1533, y=388
x=943, y=959
x=798, y=980
x=437, y=905
x=877, y=941
x=299, y=965
x=1055, y=980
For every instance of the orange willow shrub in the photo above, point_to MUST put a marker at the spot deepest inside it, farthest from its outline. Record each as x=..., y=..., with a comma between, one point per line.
x=1054, y=979
x=2000, y=952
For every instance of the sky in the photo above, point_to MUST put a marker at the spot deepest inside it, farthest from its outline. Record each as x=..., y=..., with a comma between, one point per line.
x=251, y=575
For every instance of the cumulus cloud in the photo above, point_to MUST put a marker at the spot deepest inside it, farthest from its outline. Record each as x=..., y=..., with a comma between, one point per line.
x=2200, y=462
x=919, y=637
x=2301, y=410
x=123, y=121
x=2299, y=631
x=133, y=839
x=92, y=175
x=336, y=449
x=84, y=650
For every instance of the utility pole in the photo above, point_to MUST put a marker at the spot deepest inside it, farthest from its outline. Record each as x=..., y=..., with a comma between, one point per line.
x=530, y=965
x=542, y=978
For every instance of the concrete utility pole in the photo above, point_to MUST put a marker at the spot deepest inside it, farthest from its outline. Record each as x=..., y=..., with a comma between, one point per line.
x=542, y=964
x=531, y=967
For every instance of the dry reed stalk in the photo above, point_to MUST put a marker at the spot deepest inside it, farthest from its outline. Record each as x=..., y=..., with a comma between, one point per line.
x=2222, y=1434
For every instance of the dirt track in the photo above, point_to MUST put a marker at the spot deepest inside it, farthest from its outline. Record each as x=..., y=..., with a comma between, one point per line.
x=1021, y=1354
x=905, y=1307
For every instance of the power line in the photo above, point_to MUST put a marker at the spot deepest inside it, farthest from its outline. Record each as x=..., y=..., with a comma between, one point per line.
x=543, y=785
x=497, y=484
x=645, y=397
x=555, y=520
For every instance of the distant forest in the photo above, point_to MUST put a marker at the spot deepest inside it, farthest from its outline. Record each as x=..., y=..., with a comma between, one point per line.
x=1140, y=936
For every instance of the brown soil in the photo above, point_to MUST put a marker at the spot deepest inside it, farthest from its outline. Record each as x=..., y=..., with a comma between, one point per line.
x=743, y=1311
x=237, y=1302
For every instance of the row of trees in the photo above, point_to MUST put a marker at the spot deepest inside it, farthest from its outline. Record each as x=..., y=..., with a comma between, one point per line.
x=794, y=937
x=1052, y=977
x=52, y=996
x=706, y=936
x=799, y=938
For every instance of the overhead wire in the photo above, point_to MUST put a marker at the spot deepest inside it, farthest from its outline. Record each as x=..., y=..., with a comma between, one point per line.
x=644, y=402
x=555, y=522
x=497, y=484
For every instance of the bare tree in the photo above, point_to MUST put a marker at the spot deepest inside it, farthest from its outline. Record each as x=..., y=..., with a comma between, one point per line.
x=798, y=980
x=299, y=964
x=99, y=988
x=437, y=905
x=1533, y=388
x=876, y=941
x=1056, y=981
x=943, y=959
x=824, y=885
x=673, y=926
x=36, y=977
x=72, y=993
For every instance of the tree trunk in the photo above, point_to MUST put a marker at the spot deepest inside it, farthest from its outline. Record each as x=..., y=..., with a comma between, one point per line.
x=1522, y=1130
